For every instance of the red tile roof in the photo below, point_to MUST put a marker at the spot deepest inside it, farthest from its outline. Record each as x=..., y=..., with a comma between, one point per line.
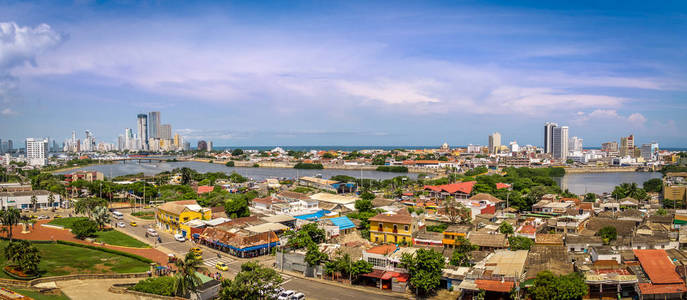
x=463, y=187
x=205, y=189
x=652, y=289
x=528, y=229
x=501, y=185
x=657, y=265
x=383, y=249
x=494, y=285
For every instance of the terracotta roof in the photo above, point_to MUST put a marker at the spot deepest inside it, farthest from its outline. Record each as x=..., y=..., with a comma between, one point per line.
x=463, y=187
x=393, y=218
x=527, y=229
x=485, y=196
x=623, y=227
x=383, y=249
x=176, y=207
x=293, y=195
x=267, y=200
x=586, y=205
x=549, y=238
x=488, y=240
x=657, y=266
x=501, y=185
x=652, y=289
x=205, y=189
x=494, y=285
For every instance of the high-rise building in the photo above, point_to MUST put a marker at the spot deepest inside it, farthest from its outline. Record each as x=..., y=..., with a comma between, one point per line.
x=36, y=151
x=649, y=151
x=129, y=142
x=514, y=147
x=575, y=144
x=202, y=145
x=627, y=146
x=154, y=125
x=209, y=146
x=165, y=132
x=610, y=147
x=559, y=142
x=494, y=142
x=177, y=141
x=143, y=131
x=121, y=143
x=548, y=136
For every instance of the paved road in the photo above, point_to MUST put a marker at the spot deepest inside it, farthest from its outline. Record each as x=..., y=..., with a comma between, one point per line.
x=312, y=289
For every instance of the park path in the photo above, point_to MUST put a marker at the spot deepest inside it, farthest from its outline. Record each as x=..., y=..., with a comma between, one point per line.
x=44, y=233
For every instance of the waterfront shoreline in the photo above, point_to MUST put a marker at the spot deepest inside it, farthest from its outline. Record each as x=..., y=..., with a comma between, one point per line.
x=601, y=170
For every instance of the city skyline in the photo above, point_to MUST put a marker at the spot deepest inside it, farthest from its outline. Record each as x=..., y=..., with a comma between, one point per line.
x=242, y=74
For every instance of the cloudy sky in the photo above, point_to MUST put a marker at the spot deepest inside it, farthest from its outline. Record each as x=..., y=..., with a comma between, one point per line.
x=346, y=73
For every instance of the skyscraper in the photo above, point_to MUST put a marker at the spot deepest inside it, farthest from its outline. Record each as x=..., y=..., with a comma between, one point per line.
x=627, y=145
x=494, y=142
x=560, y=142
x=36, y=150
x=143, y=131
x=202, y=145
x=575, y=144
x=154, y=125
x=548, y=136
x=165, y=132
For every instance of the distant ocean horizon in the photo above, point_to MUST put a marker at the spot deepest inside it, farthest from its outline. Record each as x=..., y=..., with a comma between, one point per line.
x=358, y=148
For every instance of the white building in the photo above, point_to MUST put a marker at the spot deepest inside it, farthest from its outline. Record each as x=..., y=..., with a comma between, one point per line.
x=36, y=151
x=494, y=142
x=514, y=147
x=22, y=200
x=560, y=142
x=474, y=148
x=575, y=144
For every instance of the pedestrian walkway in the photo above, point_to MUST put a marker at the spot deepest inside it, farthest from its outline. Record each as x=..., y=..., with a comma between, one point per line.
x=211, y=262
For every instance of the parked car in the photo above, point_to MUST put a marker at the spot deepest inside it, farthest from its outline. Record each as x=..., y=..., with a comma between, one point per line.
x=179, y=237
x=151, y=232
x=133, y=224
x=196, y=250
x=285, y=295
x=43, y=217
x=222, y=266
x=121, y=224
x=298, y=296
x=56, y=217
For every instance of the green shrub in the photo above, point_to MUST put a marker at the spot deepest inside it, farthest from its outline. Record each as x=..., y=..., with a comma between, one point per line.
x=84, y=228
x=158, y=285
x=397, y=169
x=302, y=165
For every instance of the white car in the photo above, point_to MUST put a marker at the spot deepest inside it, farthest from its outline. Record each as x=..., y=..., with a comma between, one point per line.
x=43, y=217
x=298, y=296
x=120, y=224
x=179, y=237
x=151, y=232
x=285, y=295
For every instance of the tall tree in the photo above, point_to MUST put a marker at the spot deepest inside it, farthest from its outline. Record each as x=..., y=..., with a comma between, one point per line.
x=101, y=215
x=23, y=256
x=34, y=202
x=10, y=217
x=456, y=211
x=567, y=287
x=506, y=228
x=462, y=256
x=253, y=282
x=51, y=201
x=186, y=280
x=425, y=269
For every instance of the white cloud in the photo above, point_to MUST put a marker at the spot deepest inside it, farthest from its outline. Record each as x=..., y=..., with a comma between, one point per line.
x=637, y=118
x=8, y=112
x=20, y=45
x=610, y=115
x=391, y=92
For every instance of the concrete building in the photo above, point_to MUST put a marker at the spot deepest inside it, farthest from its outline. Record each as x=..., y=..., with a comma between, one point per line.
x=22, y=200
x=154, y=124
x=610, y=147
x=165, y=132
x=36, y=151
x=649, y=151
x=627, y=145
x=142, y=132
x=494, y=142
x=560, y=142
x=209, y=146
x=548, y=136
x=575, y=144
x=202, y=145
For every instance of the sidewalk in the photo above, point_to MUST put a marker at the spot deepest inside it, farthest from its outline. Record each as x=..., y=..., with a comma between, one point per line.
x=346, y=286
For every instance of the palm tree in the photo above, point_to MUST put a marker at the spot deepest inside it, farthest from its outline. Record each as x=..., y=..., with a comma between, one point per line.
x=34, y=202
x=10, y=218
x=51, y=201
x=186, y=280
x=24, y=256
x=101, y=215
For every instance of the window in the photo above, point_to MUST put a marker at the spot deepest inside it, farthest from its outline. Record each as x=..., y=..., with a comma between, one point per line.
x=381, y=227
x=395, y=228
x=405, y=228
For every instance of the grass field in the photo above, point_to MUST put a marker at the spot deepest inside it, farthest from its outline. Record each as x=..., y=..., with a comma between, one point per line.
x=38, y=296
x=58, y=259
x=146, y=215
x=112, y=237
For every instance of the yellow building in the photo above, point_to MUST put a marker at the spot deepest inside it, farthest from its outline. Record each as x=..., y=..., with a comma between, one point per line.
x=453, y=233
x=675, y=186
x=172, y=216
x=392, y=228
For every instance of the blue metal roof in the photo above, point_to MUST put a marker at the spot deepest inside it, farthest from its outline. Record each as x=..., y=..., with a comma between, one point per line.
x=313, y=216
x=343, y=222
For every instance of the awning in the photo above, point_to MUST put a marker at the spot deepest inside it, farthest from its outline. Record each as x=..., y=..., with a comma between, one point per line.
x=375, y=274
x=388, y=275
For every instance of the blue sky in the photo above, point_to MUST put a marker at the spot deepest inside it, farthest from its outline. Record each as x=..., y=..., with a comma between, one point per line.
x=346, y=73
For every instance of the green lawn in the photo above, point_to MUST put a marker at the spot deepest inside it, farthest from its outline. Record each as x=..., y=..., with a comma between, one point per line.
x=111, y=237
x=38, y=296
x=58, y=259
x=114, y=237
x=66, y=222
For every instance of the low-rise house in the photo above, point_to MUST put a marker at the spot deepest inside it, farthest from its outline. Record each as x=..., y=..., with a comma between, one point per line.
x=337, y=226
x=549, y=239
x=239, y=243
x=453, y=233
x=89, y=176
x=459, y=190
x=428, y=238
x=488, y=241
x=552, y=258
x=172, y=216
x=265, y=203
x=393, y=228
x=580, y=243
x=604, y=253
x=631, y=215
x=285, y=220
x=386, y=261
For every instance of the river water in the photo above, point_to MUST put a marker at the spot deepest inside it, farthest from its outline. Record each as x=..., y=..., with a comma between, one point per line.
x=576, y=183
x=599, y=183
x=132, y=167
